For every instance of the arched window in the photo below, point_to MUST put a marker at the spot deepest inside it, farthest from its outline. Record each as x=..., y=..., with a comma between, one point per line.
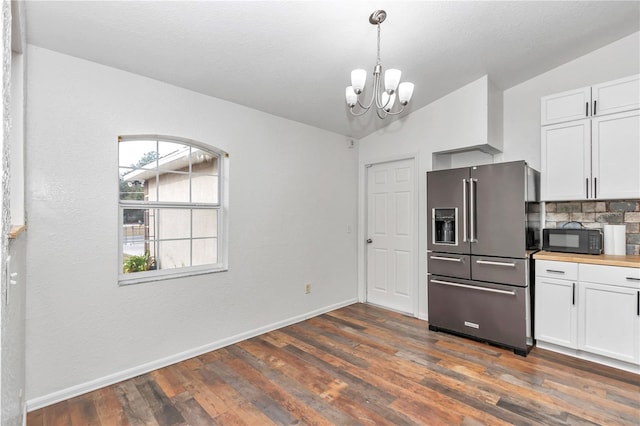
x=172, y=208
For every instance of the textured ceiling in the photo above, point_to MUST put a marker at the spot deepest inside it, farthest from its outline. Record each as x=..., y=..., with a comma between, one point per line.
x=293, y=58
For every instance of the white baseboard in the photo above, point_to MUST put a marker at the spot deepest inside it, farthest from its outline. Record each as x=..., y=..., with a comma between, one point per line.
x=73, y=391
x=622, y=365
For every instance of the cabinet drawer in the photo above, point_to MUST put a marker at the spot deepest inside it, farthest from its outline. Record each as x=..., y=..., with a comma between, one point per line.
x=560, y=270
x=612, y=275
x=500, y=270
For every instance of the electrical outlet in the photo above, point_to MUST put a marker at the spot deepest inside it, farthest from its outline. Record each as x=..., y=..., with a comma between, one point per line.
x=307, y=288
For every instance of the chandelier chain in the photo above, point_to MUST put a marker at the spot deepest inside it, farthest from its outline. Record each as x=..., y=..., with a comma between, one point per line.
x=379, y=61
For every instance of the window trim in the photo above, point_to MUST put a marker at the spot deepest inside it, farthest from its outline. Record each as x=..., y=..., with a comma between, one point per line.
x=222, y=209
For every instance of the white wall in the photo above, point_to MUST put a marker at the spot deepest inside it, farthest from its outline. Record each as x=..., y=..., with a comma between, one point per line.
x=293, y=191
x=522, y=102
x=13, y=297
x=458, y=119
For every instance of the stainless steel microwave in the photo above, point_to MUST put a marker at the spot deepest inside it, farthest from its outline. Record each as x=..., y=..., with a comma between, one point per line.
x=569, y=240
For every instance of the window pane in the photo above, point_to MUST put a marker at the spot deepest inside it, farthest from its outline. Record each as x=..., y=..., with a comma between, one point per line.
x=174, y=157
x=166, y=149
x=205, y=251
x=132, y=185
x=138, y=154
x=174, y=223
x=174, y=187
x=135, y=232
x=173, y=254
x=204, y=189
x=203, y=162
x=205, y=223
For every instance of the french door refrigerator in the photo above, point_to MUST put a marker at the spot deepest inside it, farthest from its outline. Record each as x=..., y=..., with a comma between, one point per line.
x=484, y=222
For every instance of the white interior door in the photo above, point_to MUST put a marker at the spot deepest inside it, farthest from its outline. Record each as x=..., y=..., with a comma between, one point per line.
x=391, y=233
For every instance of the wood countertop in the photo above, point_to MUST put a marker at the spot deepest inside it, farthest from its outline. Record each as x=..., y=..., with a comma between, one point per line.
x=632, y=261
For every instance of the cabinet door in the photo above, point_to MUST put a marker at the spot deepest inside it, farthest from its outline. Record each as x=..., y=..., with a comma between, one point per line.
x=616, y=155
x=565, y=106
x=556, y=312
x=609, y=321
x=566, y=161
x=616, y=96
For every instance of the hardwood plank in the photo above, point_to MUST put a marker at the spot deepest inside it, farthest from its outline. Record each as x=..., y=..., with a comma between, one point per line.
x=362, y=365
x=163, y=410
x=135, y=407
x=59, y=415
x=82, y=411
x=191, y=410
x=108, y=408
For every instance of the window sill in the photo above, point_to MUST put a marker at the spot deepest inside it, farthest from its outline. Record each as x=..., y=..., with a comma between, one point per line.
x=150, y=276
x=16, y=230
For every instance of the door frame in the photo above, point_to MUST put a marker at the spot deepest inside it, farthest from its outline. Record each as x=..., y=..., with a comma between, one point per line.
x=363, y=226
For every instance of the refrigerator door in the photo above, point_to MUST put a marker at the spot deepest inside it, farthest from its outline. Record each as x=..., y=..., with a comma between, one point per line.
x=497, y=214
x=447, y=196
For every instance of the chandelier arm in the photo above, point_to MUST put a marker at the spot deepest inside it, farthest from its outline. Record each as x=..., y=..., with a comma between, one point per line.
x=365, y=107
x=358, y=114
x=377, y=91
x=396, y=112
x=384, y=113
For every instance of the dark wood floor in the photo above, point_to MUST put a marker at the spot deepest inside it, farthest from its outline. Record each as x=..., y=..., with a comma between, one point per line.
x=361, y=365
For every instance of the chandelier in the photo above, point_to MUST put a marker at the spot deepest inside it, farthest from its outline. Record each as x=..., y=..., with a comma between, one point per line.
x=384, y=98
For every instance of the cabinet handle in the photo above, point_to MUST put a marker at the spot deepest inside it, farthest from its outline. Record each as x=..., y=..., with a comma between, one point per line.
x=595, y=187
x=633, y=279
x=555, y=271
x=595, y=104
x=573, y=294
x=587, y=183
x=586, y=109
x=638, y=305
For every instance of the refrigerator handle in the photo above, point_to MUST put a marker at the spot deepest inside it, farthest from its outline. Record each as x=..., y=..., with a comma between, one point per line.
x=464, y=210
x=472, y=212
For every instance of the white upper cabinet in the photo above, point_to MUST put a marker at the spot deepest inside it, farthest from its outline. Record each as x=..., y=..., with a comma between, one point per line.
x=566, y=160
x=615, y=144
x=590, y=142
x=566, y=106
x=616, y=96
x=606, y=98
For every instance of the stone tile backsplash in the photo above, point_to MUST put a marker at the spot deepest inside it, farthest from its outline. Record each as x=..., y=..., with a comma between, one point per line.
x=596, y=214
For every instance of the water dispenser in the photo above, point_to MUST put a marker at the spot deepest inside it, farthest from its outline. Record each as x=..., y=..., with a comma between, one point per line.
x=444, y=226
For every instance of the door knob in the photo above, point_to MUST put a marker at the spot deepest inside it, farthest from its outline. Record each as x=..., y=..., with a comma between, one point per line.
x=369, y=241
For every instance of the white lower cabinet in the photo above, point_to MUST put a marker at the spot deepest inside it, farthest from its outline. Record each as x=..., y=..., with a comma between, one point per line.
x=608, y=320
x=590, y=311
x=555, y=312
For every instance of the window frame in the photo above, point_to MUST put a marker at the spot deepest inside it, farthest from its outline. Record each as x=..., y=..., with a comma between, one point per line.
x=221, y=207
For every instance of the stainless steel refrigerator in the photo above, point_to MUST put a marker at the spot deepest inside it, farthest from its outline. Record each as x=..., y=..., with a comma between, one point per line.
x=484, y=222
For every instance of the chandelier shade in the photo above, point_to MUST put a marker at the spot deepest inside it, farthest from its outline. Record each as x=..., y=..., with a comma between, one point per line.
x=386, y=87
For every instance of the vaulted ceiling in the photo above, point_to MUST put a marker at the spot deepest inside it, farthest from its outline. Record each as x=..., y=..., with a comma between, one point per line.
x=293, y=58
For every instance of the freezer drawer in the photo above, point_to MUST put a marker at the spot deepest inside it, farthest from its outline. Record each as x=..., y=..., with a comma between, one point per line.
x=500, y=270
x=450, y=265
x=490, y=312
